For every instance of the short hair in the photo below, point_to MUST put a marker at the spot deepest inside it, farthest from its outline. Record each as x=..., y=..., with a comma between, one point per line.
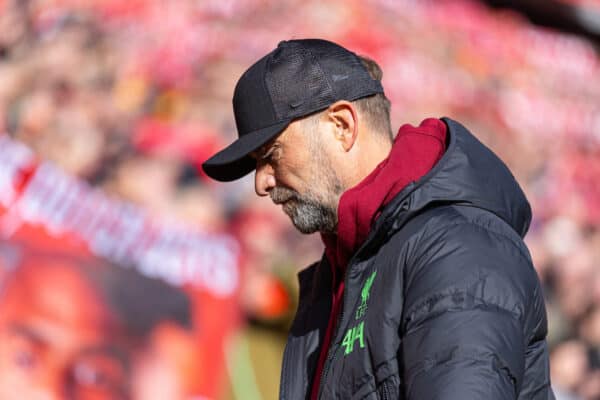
x=375, y=108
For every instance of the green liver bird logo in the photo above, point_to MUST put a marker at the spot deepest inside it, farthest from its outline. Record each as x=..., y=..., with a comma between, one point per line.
x=364, y=294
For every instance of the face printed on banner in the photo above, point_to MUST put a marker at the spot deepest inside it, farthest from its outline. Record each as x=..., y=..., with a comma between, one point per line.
x=295, y=171
x=61, y=339
x=57, y=338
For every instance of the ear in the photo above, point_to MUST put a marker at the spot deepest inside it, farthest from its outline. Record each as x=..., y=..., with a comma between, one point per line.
x=344, y=117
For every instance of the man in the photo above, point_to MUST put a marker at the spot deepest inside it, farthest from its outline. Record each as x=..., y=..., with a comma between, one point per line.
x=426, y=289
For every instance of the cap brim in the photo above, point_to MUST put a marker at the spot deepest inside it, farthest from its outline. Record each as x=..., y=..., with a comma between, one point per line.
x=235, y=161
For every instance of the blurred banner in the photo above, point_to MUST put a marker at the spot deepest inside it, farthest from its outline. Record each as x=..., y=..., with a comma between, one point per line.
x=98, y=300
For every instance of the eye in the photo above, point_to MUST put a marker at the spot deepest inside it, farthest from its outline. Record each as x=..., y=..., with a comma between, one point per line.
x=25, y=359
x=24, y=354
x=100, y=375
x=273, y=154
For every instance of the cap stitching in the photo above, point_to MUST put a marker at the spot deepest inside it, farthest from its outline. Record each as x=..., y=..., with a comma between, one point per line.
x=266, y=87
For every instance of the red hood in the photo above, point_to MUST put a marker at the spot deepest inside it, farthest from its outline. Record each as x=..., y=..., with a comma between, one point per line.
x=414, y=152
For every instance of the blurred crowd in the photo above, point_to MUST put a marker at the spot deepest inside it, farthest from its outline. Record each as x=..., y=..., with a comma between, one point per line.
x=132, y=97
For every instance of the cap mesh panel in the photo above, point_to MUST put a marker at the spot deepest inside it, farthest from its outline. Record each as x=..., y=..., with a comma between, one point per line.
x=297, y=83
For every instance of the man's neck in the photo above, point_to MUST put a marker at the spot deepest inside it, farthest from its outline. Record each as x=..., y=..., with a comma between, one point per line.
x=374, y=152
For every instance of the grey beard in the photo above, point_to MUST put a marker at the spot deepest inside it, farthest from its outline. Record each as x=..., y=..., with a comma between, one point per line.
x=307, y=214
x=310, y=216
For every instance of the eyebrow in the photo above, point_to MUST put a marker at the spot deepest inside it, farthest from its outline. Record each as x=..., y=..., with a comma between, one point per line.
x=265, y=153
x=26, y=332
x=269, y=152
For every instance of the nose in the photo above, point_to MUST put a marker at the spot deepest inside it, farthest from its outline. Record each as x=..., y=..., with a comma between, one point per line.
x=264, y=179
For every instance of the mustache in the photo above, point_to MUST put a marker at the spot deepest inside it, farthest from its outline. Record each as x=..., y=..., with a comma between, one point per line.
x=281, y=194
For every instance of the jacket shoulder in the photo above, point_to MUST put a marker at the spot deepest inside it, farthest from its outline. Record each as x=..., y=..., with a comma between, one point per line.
x=469, y=256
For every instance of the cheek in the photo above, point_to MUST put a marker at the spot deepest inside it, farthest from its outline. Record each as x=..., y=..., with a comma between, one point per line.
x=296, y=168
x=291, y=177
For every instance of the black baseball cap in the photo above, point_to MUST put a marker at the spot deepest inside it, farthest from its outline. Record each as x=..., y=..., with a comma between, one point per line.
x=296, y=79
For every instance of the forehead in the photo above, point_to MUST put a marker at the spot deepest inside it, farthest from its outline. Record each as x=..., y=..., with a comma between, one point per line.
x=57, y=292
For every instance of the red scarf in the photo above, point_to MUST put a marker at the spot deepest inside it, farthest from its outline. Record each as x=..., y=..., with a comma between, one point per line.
x=414, y=152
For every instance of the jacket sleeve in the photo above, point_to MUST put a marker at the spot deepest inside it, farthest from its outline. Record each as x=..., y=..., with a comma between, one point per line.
x=465, y=298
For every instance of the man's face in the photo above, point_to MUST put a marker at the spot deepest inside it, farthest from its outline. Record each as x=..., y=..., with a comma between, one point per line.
x=295, y=171
x=57, y=339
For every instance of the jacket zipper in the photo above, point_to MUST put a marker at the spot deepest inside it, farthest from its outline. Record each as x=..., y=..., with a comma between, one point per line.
x=386, y=392
x=333, y=347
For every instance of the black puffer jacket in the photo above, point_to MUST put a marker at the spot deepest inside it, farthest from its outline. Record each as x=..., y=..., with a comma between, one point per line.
x=442, y=300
